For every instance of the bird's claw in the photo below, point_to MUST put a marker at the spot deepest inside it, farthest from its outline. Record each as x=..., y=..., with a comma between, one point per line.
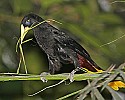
x=42, y=76
x=71, y=76
x=43, y=79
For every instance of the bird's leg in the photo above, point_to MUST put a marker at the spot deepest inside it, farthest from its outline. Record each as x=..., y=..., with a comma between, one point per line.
x=72, y=74
x=54, y=64
x=52, y=68
x=76, y=64
x=73, y=56
x=43, y=75
x=74, y=71
x=51, y=65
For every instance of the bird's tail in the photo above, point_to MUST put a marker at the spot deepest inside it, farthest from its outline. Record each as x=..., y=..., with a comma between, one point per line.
x=92, y=68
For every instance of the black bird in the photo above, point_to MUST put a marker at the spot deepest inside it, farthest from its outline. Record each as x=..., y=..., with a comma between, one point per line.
x=59, y=46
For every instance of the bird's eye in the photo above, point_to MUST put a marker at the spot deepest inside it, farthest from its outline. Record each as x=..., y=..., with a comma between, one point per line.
x=28, y=22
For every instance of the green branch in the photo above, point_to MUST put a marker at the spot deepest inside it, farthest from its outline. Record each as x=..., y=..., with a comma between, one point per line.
x=15, y=77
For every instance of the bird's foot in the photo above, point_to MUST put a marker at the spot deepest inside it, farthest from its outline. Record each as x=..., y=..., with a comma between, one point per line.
x=71, y=76
x=43, y=75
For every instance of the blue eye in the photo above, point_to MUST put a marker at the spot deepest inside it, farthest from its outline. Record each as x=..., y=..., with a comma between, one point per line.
x=28, y=22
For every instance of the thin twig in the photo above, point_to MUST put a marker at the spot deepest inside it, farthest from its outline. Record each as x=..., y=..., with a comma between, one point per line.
x=112, y=41
x=47, y=88
x=117, y=2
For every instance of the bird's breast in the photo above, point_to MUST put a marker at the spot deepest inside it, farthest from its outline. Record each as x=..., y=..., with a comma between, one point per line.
x=45, y=41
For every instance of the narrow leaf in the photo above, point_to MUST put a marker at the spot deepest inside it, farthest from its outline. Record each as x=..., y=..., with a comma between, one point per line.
x=114, y=94
x=98, y=95
x=122, y=74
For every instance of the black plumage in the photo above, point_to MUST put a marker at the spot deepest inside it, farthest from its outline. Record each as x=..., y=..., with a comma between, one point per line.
x=59, y=47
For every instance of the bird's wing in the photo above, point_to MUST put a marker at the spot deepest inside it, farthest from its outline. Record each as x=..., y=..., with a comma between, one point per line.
x=67, y=41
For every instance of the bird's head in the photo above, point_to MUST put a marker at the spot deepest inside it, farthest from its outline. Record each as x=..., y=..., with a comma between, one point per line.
x=29, y=21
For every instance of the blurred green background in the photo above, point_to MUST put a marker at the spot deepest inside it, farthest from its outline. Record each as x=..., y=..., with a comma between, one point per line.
x=91, y=22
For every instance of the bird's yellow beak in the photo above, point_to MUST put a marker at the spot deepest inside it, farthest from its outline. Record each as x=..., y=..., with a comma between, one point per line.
x=24, y=31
